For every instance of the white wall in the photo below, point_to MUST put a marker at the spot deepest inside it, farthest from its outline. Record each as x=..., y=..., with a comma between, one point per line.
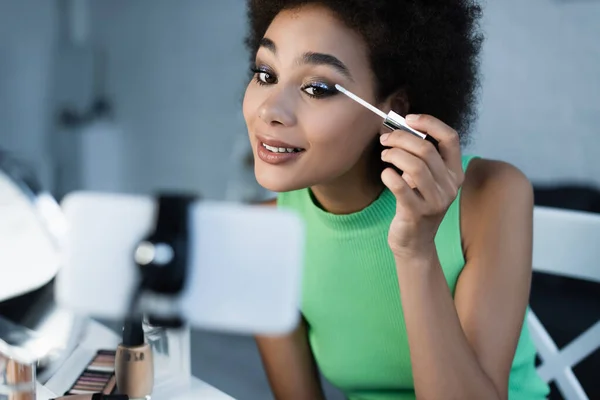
x=177, y=73
x=27, y=39
x=541, y=94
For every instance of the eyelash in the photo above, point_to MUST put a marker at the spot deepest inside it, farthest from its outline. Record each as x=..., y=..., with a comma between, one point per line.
x=315, y=85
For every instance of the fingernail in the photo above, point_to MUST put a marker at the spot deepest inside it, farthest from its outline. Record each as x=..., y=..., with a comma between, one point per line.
x=384, y=137
x=412, y=117
x=383, y=152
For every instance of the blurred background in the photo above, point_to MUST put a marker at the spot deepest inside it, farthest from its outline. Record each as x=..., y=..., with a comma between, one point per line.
x=145, y=95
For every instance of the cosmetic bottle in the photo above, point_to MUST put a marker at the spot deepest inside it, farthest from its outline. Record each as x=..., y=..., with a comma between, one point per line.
x=134, y=364
x=17, y=380
x=171, y=355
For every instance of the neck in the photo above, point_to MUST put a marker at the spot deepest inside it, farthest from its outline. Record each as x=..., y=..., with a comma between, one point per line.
x=351, y=192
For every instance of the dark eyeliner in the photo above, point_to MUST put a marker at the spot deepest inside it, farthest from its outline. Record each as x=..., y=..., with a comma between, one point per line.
x=328, y=90
x=256, y=70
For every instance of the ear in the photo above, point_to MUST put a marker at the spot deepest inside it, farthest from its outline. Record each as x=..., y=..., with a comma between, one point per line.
x=397, y=101
x=400, y=102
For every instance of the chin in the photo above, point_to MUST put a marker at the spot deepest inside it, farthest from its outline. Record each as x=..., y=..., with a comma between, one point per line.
x=277, y=181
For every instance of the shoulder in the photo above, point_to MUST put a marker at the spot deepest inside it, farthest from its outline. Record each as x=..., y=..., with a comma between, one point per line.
x=493, y=192
x=493, y=181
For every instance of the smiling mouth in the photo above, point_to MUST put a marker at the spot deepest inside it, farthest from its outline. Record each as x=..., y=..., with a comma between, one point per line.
x=274, y=149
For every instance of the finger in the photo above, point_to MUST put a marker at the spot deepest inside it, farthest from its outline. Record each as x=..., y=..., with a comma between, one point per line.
x=405, y=196
x=409, y=180
x=422, y=149
x=416, y=168
x=449, y=141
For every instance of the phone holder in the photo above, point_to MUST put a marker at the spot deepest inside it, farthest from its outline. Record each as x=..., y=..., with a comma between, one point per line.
x=162, y=259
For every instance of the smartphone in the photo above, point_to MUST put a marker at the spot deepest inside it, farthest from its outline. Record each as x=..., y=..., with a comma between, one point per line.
x=245, y=262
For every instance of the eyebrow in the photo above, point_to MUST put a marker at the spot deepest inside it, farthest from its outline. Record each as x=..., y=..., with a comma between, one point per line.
x=326, y=59
x=312, y=58
x=268, y=44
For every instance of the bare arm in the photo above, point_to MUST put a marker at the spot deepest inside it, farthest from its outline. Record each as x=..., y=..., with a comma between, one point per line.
x=268, y=203
x=463, y=348
x=289, y=362
x=290, y=366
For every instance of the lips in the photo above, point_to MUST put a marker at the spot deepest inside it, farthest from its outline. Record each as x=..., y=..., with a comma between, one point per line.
x=276, y=152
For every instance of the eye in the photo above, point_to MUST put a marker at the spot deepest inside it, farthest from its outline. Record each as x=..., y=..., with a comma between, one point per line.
x=264, y=76
x=319, y=90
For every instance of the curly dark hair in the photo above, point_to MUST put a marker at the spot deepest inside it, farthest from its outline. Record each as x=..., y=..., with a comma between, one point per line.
x=428, y=48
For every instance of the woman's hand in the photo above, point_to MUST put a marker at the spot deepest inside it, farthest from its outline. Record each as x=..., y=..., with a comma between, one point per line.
x=429, y=185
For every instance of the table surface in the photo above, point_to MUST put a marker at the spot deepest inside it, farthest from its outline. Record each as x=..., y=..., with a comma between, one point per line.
x=100, y=337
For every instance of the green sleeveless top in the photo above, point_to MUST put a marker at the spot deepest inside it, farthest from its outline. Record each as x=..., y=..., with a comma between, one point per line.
x=351, y=300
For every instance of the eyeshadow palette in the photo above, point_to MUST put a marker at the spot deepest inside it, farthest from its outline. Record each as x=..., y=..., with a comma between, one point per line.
x=98, y=376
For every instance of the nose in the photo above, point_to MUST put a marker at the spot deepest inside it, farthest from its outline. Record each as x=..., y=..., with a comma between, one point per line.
x=277, y=109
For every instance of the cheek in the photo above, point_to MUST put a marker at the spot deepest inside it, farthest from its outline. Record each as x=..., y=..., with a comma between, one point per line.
x=249, y=104
x=341, y=131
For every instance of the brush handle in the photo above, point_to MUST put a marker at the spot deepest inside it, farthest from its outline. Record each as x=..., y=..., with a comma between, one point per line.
x=433, y=141
x=395, y=121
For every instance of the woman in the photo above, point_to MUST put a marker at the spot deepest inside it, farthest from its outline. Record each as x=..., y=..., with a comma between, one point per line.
x=415, y=285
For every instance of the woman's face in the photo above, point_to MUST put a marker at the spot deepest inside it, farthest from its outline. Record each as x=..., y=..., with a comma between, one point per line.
x=303, y=132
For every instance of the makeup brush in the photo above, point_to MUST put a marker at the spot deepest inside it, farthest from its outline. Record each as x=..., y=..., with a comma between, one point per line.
x=391, y=120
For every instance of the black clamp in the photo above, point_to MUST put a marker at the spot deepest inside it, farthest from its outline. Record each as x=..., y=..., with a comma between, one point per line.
x=162, y=259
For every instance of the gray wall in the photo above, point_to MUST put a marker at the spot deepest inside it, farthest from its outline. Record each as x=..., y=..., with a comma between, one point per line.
x=540, y=107
x=540, y=104
x=177, y=71
x=27, y=38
